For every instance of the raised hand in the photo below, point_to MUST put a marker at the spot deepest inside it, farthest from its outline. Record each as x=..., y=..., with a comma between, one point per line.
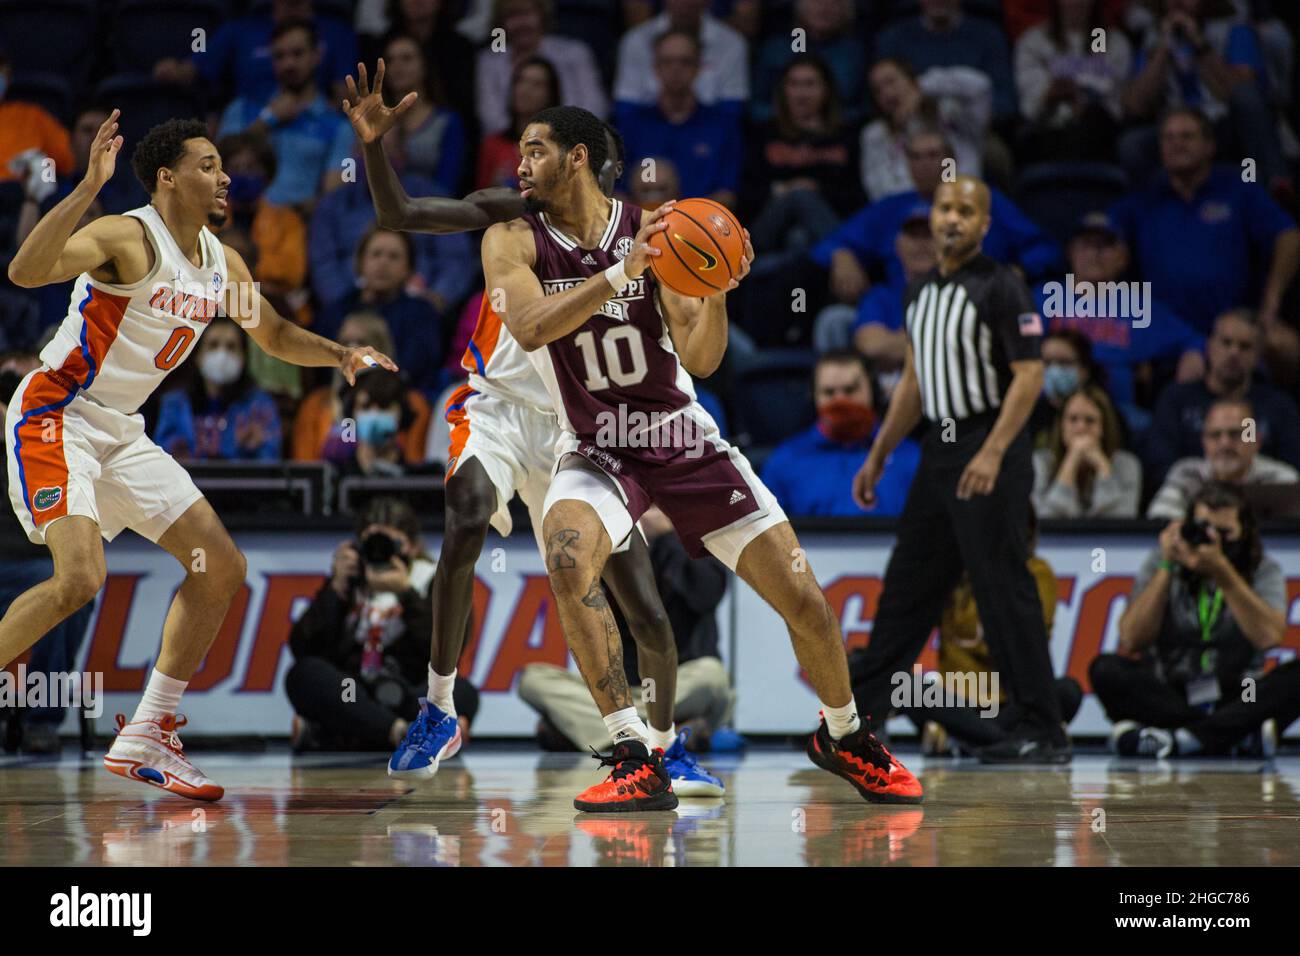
x=103, y=152
x=365, y=107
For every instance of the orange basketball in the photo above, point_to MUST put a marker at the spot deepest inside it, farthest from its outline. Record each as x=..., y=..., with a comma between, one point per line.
x=701, y=248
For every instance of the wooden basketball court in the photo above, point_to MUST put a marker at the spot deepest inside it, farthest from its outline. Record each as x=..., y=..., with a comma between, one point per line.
x=511, y=806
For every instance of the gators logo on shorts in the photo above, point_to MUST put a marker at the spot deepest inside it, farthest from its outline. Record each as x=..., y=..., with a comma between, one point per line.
x=46, y=498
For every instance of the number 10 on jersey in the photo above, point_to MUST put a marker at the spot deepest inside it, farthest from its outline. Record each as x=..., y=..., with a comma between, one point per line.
x=615, y=367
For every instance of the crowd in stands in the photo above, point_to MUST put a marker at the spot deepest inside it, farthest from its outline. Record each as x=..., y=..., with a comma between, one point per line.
x=1141, y=157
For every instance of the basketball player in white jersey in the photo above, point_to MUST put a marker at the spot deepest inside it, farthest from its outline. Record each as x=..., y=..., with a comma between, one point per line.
x=81, y=467
x=504, y=431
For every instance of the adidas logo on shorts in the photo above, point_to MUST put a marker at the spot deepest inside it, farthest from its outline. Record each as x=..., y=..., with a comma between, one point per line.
x=736, y=496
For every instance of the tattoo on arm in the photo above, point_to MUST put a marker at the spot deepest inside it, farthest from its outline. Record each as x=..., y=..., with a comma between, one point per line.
x=558, y=556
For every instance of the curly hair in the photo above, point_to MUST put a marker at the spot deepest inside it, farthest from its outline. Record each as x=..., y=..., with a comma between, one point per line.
x=571, y=125
x=162, y=147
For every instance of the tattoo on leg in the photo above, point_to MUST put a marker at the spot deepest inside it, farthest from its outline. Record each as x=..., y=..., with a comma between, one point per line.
x=615, y=680
x=595, y=596
x=558, y=556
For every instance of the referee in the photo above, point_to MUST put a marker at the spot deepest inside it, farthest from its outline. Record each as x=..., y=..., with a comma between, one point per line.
x=973, y=370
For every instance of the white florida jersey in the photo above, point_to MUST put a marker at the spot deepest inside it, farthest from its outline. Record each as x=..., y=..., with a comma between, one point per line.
x=498, y=365
x=119, y=342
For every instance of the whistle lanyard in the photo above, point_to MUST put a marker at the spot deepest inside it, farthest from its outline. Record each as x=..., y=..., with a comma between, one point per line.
x=1208, y=613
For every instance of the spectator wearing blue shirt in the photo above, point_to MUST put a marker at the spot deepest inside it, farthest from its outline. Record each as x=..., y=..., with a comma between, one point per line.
x=240, y=53
x=1122, y=339
x=1202, y=237
x=828, y=34
x=446, y=266
x=383, y=266
x=1217, y=67
x=703, y=142
x=1232, y=356
x=867, y=238
x=812, y=473
x=310, y=137
x=221, y=414
x=940, y=35
x=877, y=326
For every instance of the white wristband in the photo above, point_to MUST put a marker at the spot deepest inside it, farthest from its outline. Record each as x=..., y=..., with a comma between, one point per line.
x=616, y=276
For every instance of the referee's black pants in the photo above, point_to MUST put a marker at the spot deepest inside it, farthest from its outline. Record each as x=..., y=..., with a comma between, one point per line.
x=938, y=536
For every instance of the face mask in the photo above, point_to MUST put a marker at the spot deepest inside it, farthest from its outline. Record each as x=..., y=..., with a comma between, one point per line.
x=246, y=188
x=221, y=366
x=1059, y=380
x=374, y=427
x=845, y=421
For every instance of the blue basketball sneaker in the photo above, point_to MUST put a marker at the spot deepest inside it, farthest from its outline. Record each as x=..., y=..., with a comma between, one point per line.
x=688, y=777
x=431, y=739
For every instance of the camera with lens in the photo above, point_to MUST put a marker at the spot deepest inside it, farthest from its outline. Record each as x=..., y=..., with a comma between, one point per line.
x=378, y=549
x=1196, y=533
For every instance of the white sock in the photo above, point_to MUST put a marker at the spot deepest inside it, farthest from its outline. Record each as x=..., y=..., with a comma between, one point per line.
x=663, y=739
x=841, y=721
x=1188, y=742
x=626, y=724
x=440, y=691
x=162, y=695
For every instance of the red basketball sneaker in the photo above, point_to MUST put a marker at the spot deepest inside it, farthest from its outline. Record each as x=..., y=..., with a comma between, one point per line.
x=864, y=761
x=638, y=781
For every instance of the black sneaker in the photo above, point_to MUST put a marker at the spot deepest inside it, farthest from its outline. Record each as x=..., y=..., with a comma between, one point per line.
x=638, y=781
x=1025, y=750
x=866, y=763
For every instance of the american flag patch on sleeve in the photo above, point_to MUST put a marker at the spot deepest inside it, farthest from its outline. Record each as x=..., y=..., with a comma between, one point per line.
x=1030, y=323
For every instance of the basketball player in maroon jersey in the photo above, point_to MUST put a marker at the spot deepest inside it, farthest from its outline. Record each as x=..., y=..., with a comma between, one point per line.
x=617, y=351
x=483, y=477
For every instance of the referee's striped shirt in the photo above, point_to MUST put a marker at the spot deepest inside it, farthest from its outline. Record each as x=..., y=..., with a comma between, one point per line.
x=966, y=329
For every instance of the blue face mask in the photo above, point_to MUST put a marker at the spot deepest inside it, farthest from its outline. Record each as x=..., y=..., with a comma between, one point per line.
x=1059, y=380
x=374, y=426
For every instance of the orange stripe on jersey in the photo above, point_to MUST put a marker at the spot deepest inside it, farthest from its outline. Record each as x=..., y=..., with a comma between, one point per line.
x=101, y=314
x=38, y=445
x=484, y=340
x=458, y=418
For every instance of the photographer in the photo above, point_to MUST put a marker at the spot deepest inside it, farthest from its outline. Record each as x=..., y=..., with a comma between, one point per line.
x=370, y=622
x=1206, y=605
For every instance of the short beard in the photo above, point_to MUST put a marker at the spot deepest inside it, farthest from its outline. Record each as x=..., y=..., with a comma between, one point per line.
x=216, y=219
x=533, y=206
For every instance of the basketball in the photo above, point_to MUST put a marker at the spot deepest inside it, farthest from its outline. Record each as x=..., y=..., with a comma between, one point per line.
x=701, y=248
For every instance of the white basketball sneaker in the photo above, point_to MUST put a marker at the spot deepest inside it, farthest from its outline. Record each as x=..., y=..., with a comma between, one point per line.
x=150, y=751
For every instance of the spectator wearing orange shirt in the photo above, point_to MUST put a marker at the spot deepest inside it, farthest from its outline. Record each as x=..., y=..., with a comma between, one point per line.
x=278, y=232
x=25, y=127
x=322, y=409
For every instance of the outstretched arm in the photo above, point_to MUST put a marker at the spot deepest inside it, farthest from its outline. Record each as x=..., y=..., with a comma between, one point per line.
x=394, y=207
x=283, y=339
x=51, y=253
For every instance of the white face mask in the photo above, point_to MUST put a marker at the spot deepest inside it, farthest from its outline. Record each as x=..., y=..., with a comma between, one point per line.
x=221, y=366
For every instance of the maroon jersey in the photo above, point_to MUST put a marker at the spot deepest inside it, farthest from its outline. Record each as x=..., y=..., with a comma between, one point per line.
x=628, y=405
x=620, y=366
